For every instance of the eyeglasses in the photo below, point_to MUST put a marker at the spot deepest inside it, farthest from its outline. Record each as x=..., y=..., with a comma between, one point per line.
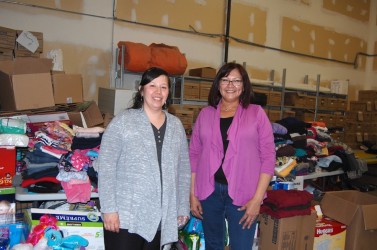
x=235, y=82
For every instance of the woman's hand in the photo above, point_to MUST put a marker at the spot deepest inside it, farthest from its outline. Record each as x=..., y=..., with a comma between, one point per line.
x=251, y=209
x=111, y=222
x=196, y=207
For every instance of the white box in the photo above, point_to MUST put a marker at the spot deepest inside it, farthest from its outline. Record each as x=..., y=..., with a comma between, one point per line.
x=339, y=87
x=88, y=225
x=114, y=100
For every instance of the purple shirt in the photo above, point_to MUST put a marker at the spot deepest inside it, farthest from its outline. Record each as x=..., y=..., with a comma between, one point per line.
x=251, y=151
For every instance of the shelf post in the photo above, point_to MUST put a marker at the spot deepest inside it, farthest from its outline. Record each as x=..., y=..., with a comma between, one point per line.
x=316, y=96
x=282, y=93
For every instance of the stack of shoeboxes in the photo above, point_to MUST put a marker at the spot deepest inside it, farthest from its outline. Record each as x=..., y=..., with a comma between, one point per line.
x=194, y=91
x=9, y=48
x=361, y=119
x=7, y=42
x=21, y=51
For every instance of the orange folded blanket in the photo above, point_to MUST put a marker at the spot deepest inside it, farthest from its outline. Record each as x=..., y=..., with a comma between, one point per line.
x=137, y=56
x=168, y=58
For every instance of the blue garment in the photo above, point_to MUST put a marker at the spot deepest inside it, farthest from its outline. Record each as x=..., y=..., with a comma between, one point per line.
x=216, y=208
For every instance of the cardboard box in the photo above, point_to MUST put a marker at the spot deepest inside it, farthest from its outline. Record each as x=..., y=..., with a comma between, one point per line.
x=329, y=234
x=114, y=101
x=67, y=88
x=7, y=38
x=204, y=91
x=7, y=165
x=191, y=90
x=296, y=100
x=358, y=212
x=86, y=115
x=6, y=54
x=293, y=233
x=25, y=83
x=86, y=224
x=22, y=49
x=367, y=95
x=206, y=72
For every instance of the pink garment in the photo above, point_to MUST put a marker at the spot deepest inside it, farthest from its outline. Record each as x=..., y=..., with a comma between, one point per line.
x=79, y=159
x=251, y=151
x=77, y=190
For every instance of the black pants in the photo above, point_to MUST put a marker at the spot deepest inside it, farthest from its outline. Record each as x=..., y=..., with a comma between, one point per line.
x=130, y=241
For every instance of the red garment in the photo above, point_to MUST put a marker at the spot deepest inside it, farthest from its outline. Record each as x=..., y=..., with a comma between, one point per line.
x=287, y=203
x=27, y=182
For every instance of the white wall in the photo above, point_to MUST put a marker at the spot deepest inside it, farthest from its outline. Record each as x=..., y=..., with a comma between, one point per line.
x=89, y=42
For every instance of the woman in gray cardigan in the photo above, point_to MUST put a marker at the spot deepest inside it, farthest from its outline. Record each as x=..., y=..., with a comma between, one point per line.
x=144, y=171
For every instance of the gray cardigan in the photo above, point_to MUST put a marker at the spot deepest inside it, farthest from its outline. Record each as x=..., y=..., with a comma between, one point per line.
x=129, y=176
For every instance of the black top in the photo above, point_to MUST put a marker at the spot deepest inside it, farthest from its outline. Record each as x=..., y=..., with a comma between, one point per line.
x=159, y=137
x=224, y=126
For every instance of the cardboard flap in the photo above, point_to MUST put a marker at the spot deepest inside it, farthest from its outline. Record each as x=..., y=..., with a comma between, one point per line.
x=6, y=67
x=370, y=216
x=93, y=115
x=26, y=65
x=344, y=214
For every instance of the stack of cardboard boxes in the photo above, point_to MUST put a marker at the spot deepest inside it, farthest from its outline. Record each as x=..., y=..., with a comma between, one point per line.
x=347, y=220
x=361, y=119
x=10, y=48
x=7, y=42
x=27, y=85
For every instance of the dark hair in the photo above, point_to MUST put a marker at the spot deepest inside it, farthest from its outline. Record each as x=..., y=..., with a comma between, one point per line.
x=214, y=96
x=148, y=76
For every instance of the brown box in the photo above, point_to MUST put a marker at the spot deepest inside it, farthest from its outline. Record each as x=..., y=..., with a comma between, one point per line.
x=191, y=91
x=310, y=102
x=20, y=48
x=355, y=115
x=86, y=115
x=25, y=83
x=186, y=117
x=7, y=38
x=332, y=104
x=6, y=54
x=358, y=106
x=322, y=118
x=341, y=104
x=293, y=233
x=352, y=137
x=204, y=91
x=367, y=95
x=339, y=120
x=353, y=126
x=206, y=72
x=296, y=100
x=274, y=98
x=358, y=212
x=194, y=108
x=274, y=115
x=306, y=116
x=323, y=103
x=339, y=136
x=372, y=137
x=67, y=88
